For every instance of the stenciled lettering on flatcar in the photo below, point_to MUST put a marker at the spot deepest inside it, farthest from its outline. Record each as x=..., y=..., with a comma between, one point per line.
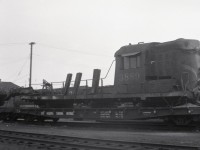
x=129, y=76
x=105, y=114
x=119, y=114
x=49, y=113
x=59, y=113
x=69, y=113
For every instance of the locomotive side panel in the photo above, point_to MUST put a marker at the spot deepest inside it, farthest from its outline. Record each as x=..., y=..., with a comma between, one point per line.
x=160, y=70
x=129, y=71
x=160, y=64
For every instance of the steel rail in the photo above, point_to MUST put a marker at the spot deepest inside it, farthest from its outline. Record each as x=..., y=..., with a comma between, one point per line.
x=45, y=141
x=123, y=126
x=136, y=125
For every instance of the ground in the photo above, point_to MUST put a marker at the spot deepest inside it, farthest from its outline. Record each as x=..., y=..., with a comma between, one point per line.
x=167, y=137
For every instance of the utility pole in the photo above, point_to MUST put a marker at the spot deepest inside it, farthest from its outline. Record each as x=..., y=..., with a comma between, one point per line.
x=31, y=55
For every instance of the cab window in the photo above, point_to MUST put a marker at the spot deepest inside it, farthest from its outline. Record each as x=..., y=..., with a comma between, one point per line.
x=131, y=62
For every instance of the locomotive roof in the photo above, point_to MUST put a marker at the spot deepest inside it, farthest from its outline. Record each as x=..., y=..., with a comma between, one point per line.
x=187, y=44
x=6, y=86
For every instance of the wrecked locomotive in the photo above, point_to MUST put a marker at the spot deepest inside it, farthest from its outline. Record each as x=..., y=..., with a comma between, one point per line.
x=152, y=80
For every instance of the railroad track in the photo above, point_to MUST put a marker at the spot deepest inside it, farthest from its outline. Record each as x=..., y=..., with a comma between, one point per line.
x=134, y=125
x=54, y=142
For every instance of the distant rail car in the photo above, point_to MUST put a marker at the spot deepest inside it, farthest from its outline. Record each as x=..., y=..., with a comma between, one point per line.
x=152, y=80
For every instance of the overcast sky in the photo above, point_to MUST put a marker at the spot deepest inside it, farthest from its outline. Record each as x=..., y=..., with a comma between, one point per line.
x=79, y=35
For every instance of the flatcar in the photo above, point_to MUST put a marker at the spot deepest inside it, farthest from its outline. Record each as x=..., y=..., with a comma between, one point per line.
x=152, y=80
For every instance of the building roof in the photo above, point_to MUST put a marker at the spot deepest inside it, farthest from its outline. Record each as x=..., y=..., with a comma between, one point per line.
x=186, y=44
x=7, y=86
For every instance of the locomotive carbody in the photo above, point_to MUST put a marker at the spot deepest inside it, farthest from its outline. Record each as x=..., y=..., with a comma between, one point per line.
x=167, y=70
x=152, y=80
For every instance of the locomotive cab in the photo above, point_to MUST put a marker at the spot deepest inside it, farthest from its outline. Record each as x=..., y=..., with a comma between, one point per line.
x=130, y=70
x=141, y=69
x=154, y=69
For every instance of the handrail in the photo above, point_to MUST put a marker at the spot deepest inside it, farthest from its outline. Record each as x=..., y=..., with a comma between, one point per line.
x=109, y=69
x=86, y=80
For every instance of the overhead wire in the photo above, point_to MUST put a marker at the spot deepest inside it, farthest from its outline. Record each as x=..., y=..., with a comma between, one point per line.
x=72, y=50
x=48, y=46
x=11, y=61
x=18, y=73
x=66, y=50
x=23, y=66
x=58, y=48
x=22, y=77
x=11, y=44
x=14, y=61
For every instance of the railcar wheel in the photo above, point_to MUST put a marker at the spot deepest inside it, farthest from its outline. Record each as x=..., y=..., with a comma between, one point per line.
x=182, y=120
x=6, y=119
x=29, y=119
x=55, y=120
x=41, y=120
